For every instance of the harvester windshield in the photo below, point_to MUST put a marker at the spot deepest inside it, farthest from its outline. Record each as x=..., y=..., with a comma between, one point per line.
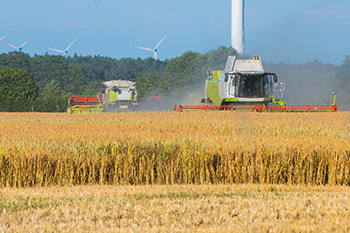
x=254, y=85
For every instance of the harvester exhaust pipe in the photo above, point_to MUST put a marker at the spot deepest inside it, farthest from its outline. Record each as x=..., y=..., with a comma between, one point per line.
x=334, y=97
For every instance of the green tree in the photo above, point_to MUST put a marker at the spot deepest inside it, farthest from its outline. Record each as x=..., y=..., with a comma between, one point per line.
x=53, y=99
x=76, y=81
x=185, y=72
x=16, y=60
x=17, y=90
x=46, y=68
x=216, y=59
x=152, y=84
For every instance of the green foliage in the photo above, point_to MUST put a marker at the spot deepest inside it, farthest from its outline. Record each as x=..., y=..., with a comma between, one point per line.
x=152, y=84
x=216, y=59
x=185, y=72
x=46, y=68
x=76, y=81
x=16, y=60
x=105, y=68
x=17, y=90
x=188, y=72
x=53, y=99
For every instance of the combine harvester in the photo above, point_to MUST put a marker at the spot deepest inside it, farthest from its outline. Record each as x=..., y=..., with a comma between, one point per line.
x=244, y=85
x=119, y=95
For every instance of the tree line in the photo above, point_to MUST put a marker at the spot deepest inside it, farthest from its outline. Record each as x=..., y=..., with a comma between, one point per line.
x=45, y=82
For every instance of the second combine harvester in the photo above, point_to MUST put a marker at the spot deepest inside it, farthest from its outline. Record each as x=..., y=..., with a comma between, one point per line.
x=119, y=95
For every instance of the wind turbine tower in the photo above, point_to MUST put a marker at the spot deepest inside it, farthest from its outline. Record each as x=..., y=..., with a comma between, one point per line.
x=237, y=17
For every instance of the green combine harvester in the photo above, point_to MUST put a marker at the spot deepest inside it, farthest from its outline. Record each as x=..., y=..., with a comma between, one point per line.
x=245, y=85
x=243, y=82
x=120, y=95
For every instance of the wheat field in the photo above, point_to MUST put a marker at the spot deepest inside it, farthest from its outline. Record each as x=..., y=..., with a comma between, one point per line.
x=39, y=150
x=170, y=172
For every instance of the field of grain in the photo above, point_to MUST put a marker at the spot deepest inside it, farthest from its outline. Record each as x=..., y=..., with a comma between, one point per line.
x=39, y=150
x=169, y=172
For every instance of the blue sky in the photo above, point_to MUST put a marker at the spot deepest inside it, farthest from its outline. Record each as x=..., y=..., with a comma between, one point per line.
x=293, y=31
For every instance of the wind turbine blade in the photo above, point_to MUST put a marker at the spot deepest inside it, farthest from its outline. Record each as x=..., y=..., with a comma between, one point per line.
x=160, y=42
x=155, y=55
x=2, y=38
x=10, y=45
x=26, y=42
x=56, y=50
x=148, y=49
x=71, y=44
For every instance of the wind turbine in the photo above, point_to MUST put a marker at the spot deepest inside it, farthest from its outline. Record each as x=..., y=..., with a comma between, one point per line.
x=65, y=52
x=2, y=38
x=20, y=47
x=155, y=48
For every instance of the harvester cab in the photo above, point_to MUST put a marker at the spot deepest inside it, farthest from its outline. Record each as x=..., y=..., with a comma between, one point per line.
x=243, y=82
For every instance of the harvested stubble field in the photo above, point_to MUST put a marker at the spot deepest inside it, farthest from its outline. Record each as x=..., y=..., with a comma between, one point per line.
x=196, y=171
x=175, y=208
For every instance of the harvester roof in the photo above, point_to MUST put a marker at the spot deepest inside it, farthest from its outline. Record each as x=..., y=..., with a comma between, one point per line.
x=251, y=65
x=119, y=84
x=254, y=73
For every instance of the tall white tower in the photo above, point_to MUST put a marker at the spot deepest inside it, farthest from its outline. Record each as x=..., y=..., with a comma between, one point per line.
x=237, y=25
